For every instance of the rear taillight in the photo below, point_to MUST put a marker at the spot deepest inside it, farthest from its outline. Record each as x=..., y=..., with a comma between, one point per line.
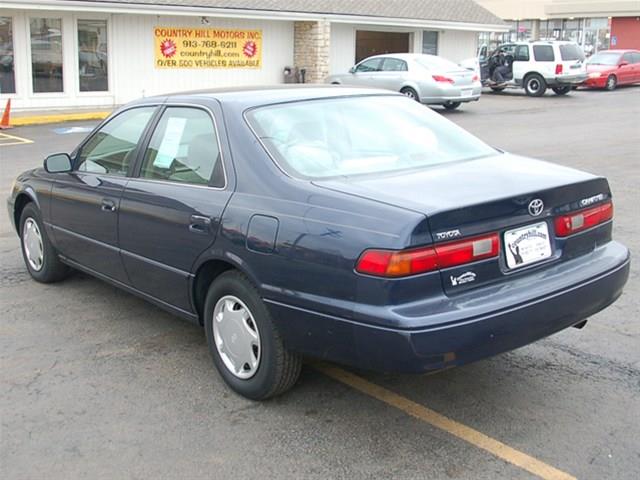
x=392, y=263
x=443, y=79
x=577, y=221
x=475, y=78
x=558, y=68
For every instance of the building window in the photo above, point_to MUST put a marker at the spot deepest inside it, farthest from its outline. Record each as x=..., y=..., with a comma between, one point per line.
x=92, y=56
x=430, y=42
x=46, y=54
x=7, y=73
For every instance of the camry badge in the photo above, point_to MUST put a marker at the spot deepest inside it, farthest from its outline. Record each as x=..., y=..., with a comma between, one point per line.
x=535, y=207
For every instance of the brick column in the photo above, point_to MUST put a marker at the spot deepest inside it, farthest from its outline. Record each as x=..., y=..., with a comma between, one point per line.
x=311, y=41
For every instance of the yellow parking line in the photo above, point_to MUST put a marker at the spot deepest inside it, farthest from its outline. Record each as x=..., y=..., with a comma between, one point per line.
x=468, y=434
x=12, y=140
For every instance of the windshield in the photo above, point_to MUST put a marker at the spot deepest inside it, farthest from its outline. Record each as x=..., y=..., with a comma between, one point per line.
x=360, y=135
x=431, y=62
x=604, y=58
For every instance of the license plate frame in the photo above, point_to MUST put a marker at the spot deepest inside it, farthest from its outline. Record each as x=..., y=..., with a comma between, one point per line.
x=467, y=92
x=527, y=245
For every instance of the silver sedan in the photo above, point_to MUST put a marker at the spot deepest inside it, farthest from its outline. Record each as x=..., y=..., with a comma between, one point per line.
x=428, y=79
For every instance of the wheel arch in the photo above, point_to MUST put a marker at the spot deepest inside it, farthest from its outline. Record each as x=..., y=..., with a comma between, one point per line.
x=207, y=271
x=22, y=200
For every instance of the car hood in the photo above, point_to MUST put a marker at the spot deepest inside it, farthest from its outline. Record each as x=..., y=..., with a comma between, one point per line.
x=600, y=68
x=451, y=185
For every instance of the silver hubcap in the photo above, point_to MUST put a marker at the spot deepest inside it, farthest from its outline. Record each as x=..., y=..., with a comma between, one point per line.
x=410, y=94
x=611, y=82
x=534, y=85
x=236, y=336
x=32, y=242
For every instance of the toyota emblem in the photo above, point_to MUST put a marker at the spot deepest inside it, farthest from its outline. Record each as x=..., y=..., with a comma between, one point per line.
x=535, y=207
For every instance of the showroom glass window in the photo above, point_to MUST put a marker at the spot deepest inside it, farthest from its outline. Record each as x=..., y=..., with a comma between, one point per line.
x=93, y=70
x=46, y=54
x=7, y=72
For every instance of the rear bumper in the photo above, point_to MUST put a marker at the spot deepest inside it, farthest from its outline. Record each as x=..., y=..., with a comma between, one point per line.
x=468, y=338
x=569, y=79
x=453, y=94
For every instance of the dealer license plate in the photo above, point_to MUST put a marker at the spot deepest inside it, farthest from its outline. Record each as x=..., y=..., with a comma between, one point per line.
x=526, y=245
x=466, y=93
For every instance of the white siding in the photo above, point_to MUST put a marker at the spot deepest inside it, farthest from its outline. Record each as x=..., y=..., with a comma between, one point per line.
x=136, y=76
x=457, y=45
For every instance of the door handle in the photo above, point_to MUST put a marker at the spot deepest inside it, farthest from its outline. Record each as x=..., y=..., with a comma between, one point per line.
x=199, y=224
x=108, y=205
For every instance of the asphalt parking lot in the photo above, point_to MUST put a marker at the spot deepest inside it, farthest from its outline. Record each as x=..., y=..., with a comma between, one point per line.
x=96, y=383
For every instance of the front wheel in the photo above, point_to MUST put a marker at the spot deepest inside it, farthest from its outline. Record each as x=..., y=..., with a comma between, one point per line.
x=534, y=85
x=612, y=83
x=451, y=105
x=245, y=345
x=40, y=256
x=561, y=90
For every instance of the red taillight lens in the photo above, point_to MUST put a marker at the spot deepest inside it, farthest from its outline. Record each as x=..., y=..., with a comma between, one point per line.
x=584, y=219
x=558, y=68
x=475, y=78
x=390, y=263
x=440, y=78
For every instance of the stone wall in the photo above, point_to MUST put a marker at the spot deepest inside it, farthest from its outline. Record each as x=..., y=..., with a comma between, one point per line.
x=311, y=42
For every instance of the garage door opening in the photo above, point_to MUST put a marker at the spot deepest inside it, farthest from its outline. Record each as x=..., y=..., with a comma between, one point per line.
x=377, y=43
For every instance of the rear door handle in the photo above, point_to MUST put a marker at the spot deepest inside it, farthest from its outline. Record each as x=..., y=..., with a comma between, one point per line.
x=199, y=224
x=108, y=205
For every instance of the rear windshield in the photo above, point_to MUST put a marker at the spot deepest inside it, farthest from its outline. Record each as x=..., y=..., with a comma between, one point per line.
x=571, y=52
x=604, y=58
x=543, y=53
x=360, y=135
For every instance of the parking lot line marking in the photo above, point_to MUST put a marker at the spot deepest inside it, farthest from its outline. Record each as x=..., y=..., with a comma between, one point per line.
x=6, y=139
x=463, y=432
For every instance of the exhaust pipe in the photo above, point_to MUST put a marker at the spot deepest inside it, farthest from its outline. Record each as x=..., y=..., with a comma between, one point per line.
x=580, y=325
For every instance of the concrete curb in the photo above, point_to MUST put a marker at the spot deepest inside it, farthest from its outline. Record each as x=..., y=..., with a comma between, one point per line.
x=57, y=118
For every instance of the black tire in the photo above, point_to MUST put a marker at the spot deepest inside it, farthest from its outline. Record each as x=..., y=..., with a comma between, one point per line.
x=534, y=85
x=451, y=105
x=51, y=269
x=411, y=93
x=498, y=89
x=612, y=83
x=561, y=90
x=278, y=368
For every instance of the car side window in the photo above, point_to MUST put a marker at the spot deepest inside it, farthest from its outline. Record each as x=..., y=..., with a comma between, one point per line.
x=184, y=149
x=543, y=53
x=372, y=65
x=627, y=57
x=394, y=65
x=636, y=57
x=521, y=53
x=110, y=149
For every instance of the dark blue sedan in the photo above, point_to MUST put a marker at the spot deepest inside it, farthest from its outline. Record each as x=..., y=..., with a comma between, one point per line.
x=343, y=224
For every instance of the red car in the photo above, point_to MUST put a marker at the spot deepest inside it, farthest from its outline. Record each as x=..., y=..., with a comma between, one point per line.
x=610, y=68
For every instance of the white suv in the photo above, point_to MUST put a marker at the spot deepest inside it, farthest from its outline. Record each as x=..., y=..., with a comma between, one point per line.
x=534, y=66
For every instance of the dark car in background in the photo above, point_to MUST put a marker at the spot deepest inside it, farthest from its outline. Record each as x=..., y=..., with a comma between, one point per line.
x=346, y=224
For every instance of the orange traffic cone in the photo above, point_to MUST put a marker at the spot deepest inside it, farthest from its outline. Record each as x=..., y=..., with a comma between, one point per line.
x=4, y=123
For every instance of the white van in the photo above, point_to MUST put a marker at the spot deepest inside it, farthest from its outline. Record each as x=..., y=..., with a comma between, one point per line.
x=534, y=66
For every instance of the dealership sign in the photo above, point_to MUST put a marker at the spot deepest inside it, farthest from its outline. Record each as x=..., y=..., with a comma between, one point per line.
x=183, y=47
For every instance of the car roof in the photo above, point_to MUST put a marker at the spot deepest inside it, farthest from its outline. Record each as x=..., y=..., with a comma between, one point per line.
x=402, y=56
x=254, y=96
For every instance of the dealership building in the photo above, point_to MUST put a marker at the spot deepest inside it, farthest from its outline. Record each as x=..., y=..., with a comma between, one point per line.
x=57, y=54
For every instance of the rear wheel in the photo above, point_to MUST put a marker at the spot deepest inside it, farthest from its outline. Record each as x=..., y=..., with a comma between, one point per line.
x=40, y=256
x=411, y=93
x=451, y=105
x=534, y=85
x=612, y=83
x=561, y=90
x=246, y=347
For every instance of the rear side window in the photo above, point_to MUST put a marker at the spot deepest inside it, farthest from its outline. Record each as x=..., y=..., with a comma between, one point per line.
x=394, y=65
x=571, y=52
x=636, y=57
x=627, y=57
x=184, y=149
x=543, y=53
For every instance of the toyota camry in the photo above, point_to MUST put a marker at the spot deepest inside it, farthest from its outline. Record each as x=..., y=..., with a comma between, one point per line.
x=345, y=224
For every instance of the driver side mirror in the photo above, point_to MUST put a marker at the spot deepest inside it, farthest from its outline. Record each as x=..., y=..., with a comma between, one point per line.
x=58, y=163
x=352, y=70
